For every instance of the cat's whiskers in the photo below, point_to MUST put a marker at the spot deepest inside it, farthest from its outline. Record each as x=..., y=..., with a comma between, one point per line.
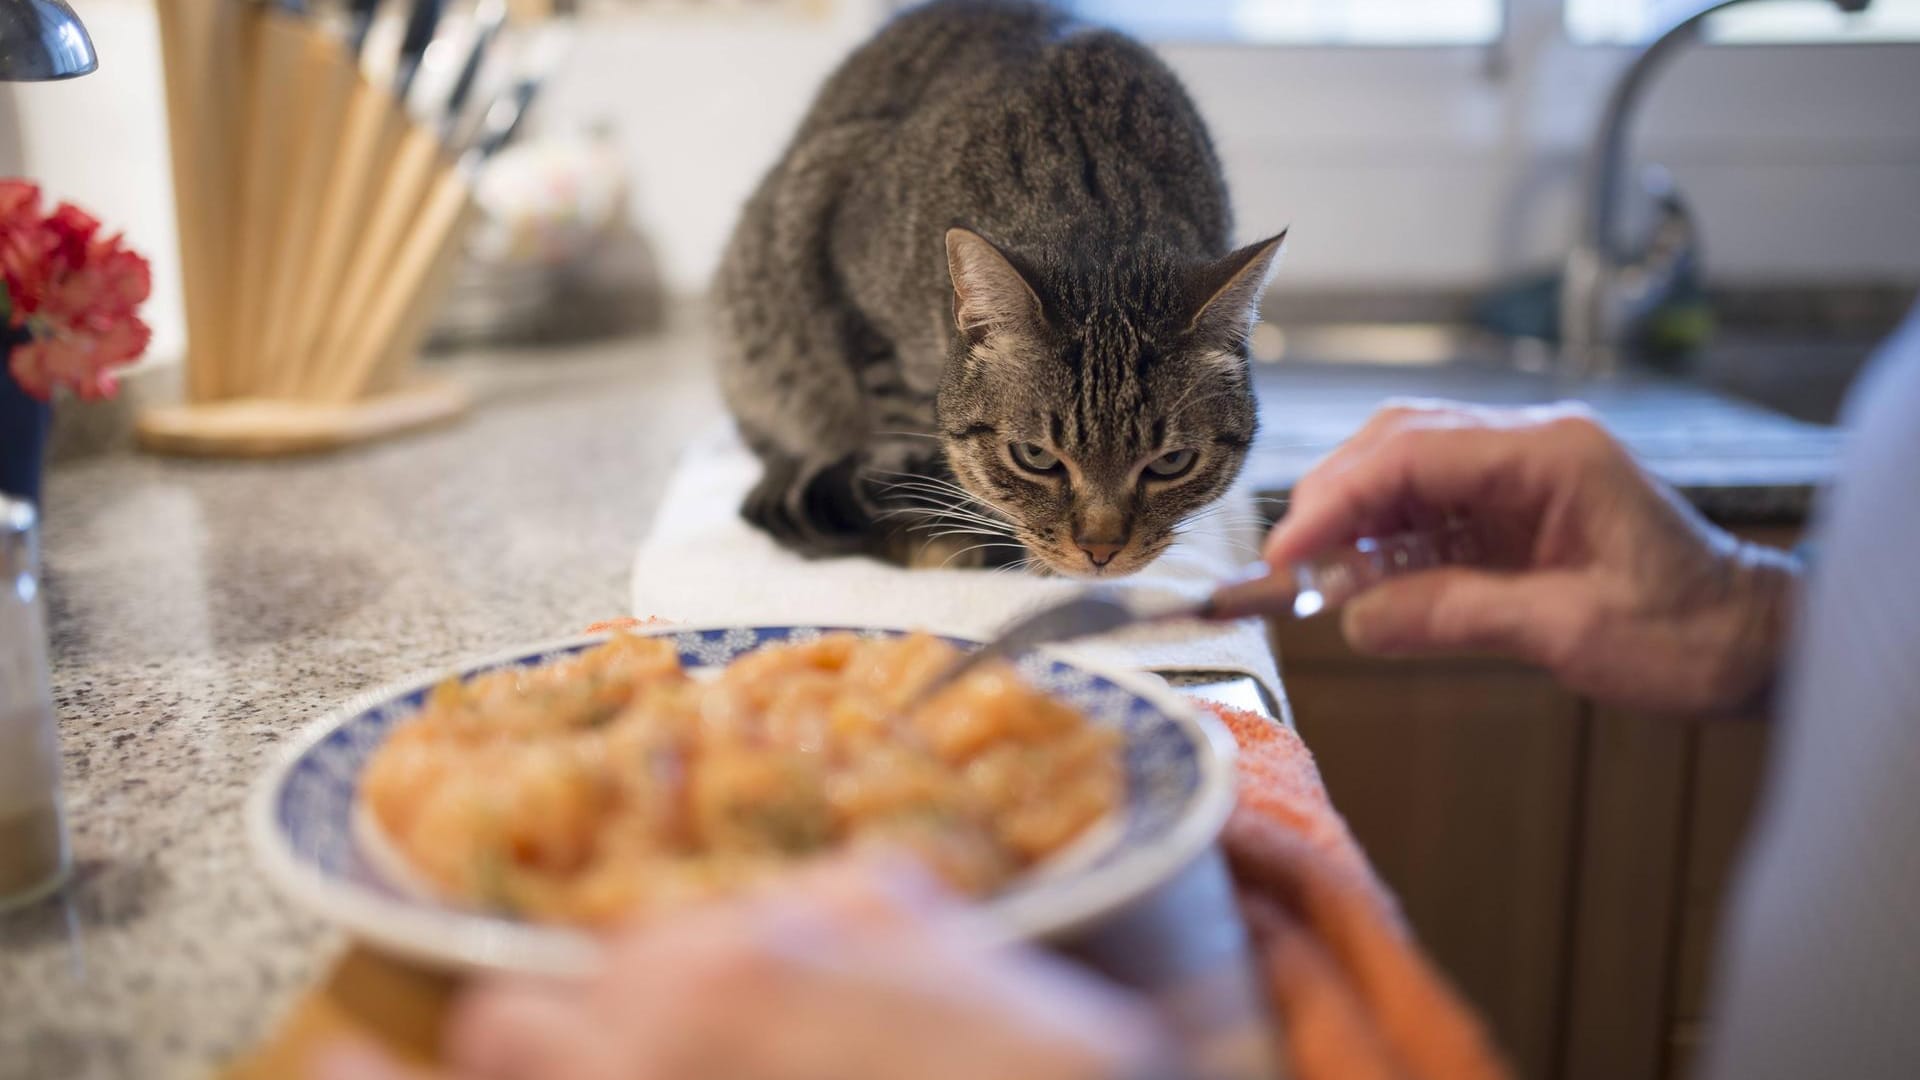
x=1175, y=556
x=1223, y=515
x=1223, y=524
x=945, y=519
x=936, y=510
x=943, y=496
x=944, y=500
x=924, y=477
x=949, y=505
x=1028, y=564
x=927, y=483
x=959, y=519
x=1240, y=544
x=977, y=547
x=957, y=530
x=918, y=482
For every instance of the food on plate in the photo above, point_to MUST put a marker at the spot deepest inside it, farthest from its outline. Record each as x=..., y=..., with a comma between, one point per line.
x=614, y=782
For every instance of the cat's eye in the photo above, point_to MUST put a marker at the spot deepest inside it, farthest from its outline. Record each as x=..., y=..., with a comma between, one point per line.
x=1171, y=465
x=1034, y=458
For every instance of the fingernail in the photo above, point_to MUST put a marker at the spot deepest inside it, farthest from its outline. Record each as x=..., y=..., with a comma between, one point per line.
x=1273, y=539
x=1361, y=626
x=1253, y=571
x=1353, y=627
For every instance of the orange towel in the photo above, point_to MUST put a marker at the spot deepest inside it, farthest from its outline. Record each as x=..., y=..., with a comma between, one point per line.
x=1354, y=997
x=625, y=623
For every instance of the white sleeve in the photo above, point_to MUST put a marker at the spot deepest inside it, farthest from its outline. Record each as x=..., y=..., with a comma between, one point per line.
x=1819, y=968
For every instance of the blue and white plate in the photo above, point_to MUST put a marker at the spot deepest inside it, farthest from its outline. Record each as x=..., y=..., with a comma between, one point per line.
x=314, y=847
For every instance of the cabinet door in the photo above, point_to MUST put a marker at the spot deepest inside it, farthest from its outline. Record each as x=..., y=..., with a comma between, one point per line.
x=1457, y=778
x=1726, y=783
x=1565, y=864
x=1633, y=849
x=1729, y=773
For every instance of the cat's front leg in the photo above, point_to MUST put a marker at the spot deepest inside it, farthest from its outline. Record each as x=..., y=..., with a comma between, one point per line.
x=812, y=510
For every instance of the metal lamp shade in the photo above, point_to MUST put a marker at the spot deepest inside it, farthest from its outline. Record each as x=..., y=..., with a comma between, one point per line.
x=42, y=40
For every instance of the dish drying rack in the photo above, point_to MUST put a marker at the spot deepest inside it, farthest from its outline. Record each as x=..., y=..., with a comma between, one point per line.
x=323, y=161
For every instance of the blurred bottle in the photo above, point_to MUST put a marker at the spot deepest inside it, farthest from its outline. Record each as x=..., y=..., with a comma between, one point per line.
x=553, y=255
x=33, y=841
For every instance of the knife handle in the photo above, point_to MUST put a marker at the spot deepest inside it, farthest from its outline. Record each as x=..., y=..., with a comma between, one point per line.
x=1340, y=575
x=1336, y=576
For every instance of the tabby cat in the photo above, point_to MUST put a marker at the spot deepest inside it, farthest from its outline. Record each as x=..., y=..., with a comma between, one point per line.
x=985, y=296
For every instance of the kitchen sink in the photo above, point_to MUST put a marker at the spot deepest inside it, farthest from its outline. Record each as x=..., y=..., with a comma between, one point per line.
x=1394, y=344
x=1737, y=459
x=1802, y=377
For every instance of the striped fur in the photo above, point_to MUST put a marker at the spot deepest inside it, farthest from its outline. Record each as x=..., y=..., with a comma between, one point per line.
x=882, y=362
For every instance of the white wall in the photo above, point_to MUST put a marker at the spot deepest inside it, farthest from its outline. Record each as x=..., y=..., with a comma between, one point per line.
x=1801, y=162
x=101, y=143
x=703, y=104
x=1394, y=167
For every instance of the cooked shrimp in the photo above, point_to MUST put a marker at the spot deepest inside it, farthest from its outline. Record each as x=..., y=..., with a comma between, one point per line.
x=611, y=783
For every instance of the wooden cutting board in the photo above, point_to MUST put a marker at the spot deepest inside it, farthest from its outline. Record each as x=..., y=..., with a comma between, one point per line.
x=366, y=997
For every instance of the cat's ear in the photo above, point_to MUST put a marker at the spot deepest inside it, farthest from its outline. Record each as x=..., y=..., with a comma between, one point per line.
x=1233, y=287
x=989, y=295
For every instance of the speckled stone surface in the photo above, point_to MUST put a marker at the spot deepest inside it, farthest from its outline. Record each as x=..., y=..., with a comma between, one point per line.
x=201, y=612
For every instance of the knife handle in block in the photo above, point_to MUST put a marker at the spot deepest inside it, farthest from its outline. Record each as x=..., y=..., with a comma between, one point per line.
x=368, y=138
x=386, y=337
x=393, y=216
x=201, y=43
x=277, y=45
x=324, y=88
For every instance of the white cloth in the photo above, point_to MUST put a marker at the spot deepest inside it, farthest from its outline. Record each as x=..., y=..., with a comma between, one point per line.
x=703, y=565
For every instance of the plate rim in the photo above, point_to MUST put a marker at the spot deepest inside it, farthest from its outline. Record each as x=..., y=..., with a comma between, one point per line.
x=451, y=939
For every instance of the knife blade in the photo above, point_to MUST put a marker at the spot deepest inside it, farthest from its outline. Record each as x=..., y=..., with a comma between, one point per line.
x=423, y=23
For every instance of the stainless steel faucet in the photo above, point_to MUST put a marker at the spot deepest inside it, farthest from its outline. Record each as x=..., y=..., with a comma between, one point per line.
x=1611, y=284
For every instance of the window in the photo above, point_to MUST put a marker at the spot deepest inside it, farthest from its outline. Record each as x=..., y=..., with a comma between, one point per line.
x=1301, y=22
x=1630, y=22
x=1457, y=162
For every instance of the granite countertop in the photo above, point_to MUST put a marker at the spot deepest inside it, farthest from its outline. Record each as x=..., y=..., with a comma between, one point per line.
x=201, y=612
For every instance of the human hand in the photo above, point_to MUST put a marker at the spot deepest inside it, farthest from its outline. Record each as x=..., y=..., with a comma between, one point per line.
x=847, y=974
x=1594, y=570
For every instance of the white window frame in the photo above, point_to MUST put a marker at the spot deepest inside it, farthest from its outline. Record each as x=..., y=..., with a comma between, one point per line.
x=1452, y=166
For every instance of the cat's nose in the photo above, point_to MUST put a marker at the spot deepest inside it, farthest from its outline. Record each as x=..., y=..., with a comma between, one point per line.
x=1100, y=554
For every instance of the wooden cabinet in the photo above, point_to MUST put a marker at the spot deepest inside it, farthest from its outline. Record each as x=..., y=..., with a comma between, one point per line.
x=1564, y=863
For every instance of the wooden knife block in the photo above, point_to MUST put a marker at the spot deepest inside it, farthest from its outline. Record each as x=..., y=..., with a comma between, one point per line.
x=319, y=228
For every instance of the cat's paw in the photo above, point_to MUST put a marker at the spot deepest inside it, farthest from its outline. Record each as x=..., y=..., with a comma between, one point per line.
x=814, y=513
x=766, y=507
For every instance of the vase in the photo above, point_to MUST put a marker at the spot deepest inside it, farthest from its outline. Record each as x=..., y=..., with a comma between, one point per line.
x=24, y=422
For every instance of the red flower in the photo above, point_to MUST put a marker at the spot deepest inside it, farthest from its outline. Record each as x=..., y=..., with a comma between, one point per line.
x=76, y=293
x=24, y=246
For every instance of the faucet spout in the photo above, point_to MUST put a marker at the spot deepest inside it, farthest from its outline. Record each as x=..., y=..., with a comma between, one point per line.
x=1593, y=318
